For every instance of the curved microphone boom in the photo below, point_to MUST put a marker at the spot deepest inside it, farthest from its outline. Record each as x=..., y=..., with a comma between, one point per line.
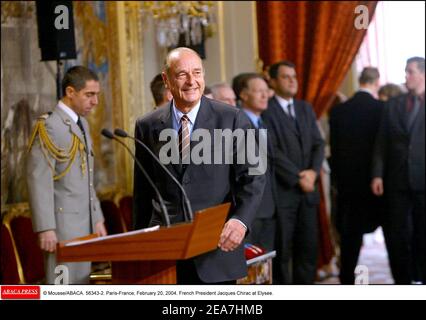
x=187, y=209
x=110, y=135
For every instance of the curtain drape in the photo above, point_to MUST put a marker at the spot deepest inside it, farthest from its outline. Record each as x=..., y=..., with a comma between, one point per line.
x=320, y=37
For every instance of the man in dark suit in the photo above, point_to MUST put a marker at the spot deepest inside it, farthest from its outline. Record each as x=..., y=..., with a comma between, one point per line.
x=399, y=174
x=353, y=128
x=298, y=156
x=205, y=184
x=254, y=100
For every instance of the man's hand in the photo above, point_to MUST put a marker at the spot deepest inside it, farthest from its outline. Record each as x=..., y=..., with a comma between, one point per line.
x=377, y=186
x=307, y=180
x=232, y=235
x=309, y=174
x=48, y=240
x=100, y=229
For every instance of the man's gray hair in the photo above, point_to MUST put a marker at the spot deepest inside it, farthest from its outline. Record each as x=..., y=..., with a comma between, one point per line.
x=217, y=86
x=176, y=51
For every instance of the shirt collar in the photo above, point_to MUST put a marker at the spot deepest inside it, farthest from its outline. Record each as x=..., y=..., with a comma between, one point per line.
x=283, y=102
x=253, y=117
x=68, y=110
x=192, y=115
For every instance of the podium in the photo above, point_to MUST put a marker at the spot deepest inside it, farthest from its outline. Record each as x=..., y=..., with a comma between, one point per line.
x=149, y=257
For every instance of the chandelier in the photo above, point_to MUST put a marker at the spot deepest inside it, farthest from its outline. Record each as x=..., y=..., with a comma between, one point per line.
x=177, y=20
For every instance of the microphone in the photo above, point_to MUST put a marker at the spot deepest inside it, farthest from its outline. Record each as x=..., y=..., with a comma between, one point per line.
x=166, y=220
x=187, y=208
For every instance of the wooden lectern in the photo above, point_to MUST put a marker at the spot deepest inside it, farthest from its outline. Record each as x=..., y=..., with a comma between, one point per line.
x=140, y=257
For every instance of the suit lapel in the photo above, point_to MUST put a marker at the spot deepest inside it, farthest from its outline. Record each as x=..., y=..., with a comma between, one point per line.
x=284, y=118
x=419, y=117
x=289, y=123
x=204, y=120
x=165, y=121
x=88, y=137
x=402, y=114
x=71, y=124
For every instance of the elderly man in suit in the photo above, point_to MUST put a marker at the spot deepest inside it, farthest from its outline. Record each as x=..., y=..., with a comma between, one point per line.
x=298, y=156
x=399, y=175
x=254, y=101
x=60, y=175
x=223, y=92
x=205, y=184
x=353, y=128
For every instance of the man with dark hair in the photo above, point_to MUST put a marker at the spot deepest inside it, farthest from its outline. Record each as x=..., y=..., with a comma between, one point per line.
x=159, y=91
x=353, y=128
x=298, y=156
x=370, y=77
x=399, y=174
x=60, y=162
x=254, y=101
x=206, y=184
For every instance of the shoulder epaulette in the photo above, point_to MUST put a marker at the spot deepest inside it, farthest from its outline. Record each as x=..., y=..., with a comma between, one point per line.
x=50, y=150
x=45, y=116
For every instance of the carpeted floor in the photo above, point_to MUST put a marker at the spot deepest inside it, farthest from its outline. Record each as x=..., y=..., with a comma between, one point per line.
x=373, y=263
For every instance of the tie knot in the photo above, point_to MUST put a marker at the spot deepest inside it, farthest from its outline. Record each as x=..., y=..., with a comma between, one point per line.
x=184, y=119
x=290, y=110
x=260, y=124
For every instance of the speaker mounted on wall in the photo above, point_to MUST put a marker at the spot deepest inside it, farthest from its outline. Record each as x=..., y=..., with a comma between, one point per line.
x=56, y=30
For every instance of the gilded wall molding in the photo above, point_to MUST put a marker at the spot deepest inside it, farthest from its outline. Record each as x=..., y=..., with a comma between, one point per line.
x=127, y=74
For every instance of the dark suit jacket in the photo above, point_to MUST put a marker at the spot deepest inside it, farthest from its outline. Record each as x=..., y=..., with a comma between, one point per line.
x=353, y=129
x=295, y=149
x=399, y=156
x=267, y=205
x=206, y=184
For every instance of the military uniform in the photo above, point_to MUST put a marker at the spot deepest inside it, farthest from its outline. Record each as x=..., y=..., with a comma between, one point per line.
x=60, y=184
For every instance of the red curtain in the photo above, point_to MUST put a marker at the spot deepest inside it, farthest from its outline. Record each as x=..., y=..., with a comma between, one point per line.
x=318, y=36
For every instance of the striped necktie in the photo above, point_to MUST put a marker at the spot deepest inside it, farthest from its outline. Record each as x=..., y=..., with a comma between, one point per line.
x=184, y=139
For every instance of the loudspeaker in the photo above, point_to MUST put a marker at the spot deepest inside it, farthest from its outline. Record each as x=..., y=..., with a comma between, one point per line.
x=56, y=30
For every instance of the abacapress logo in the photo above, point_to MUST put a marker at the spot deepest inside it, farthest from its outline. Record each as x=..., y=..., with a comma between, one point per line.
x=20, y=292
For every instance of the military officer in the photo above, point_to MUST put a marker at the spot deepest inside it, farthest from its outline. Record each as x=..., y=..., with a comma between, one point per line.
x=60, y=175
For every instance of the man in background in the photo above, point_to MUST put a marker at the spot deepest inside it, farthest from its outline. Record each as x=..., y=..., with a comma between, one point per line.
x=254, y=100
x=399, y=174
x=159, y=91
x=353, y=128
x=298, y=157
x=224, y=93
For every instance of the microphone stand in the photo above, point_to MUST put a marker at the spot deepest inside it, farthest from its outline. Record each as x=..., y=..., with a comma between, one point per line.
x=110, y=135
x=187, y=208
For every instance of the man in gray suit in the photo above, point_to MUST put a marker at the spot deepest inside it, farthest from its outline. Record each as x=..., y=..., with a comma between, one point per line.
x=399, y=175
x=60, y=175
